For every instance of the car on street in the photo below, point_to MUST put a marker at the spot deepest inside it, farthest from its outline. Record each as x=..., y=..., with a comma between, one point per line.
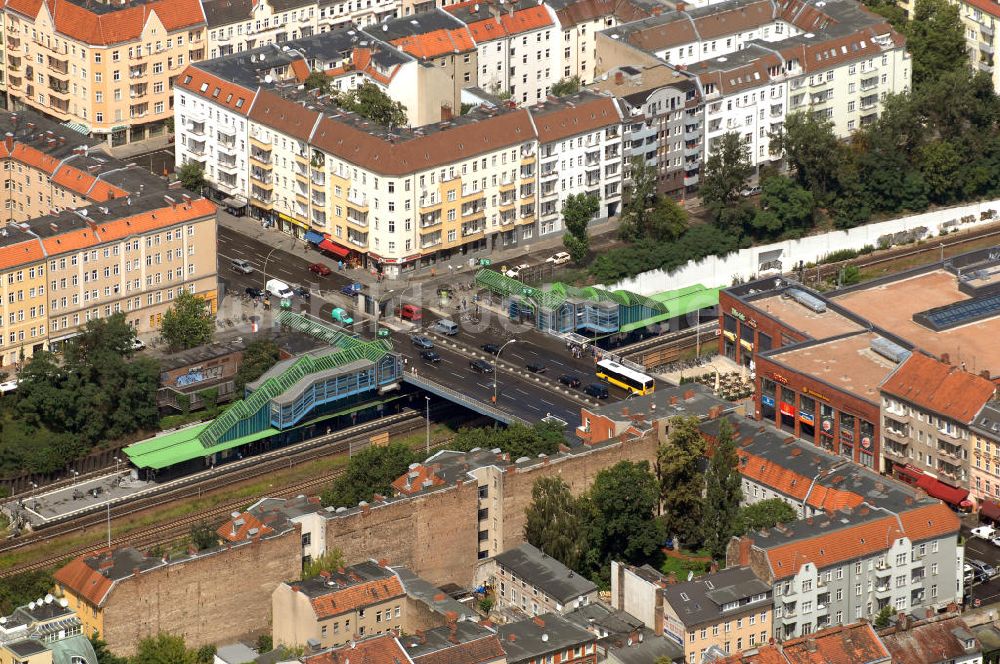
x=137, y=344
x=341, y=316
x=278, y=288
x=320, y=270
x=350, y=290
x=995, y=541
x=430, y=356
x=254, y=292
x=516, y=271
x=985, y=568
x=536, y=367
x=411, y=312
x=984, y=532
x=596, y=390
x=492, y=349
x=569, y=380
x=241, y=266
x=422, y=342
x=558, y=259
x=749, y=192
x=481, y=365
x=302, y=292
x=8, y=386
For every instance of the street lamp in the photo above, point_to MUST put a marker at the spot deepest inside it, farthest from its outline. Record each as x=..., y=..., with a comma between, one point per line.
x=428, y=418
x=496, y=359
x=264, y=269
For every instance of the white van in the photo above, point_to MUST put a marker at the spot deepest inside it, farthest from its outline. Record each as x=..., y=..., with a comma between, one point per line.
x=446, y=327
x=278, y=288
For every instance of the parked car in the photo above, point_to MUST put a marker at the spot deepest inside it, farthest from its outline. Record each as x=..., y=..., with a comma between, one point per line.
x=751, y=191
x=278, y=288
x=596, y=390
x=411, y=312
x=341, y=316
x=137, y=344
x=320, y=270
x=481, y=365
x=984, y=532
x=536, y=367
x=8, y=386
x=558, y=259
x=241, y=266
x=492, y=349
x=430, y=356
x=995, y=541
x=516, y=271
x=254, y=292
x=302, y=292
x=422, y=342
x=446, y=327
x=985, y=568
x=569, y=380
x=351, y=290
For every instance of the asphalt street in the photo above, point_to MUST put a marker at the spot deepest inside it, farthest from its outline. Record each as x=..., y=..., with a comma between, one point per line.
x=979, y=549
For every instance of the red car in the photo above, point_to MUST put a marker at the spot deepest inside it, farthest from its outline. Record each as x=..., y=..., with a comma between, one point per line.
x=319, y=269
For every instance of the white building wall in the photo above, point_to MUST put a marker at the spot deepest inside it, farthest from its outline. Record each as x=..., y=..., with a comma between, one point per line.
x=262, y=27
x=211, y=134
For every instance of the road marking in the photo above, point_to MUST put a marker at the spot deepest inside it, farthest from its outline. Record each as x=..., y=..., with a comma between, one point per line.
x=547, y=402
x=518, y=389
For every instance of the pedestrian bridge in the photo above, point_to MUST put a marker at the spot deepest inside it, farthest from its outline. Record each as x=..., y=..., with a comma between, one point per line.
x=473, y=404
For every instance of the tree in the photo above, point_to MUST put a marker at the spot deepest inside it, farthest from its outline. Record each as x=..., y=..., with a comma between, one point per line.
x=565, y=87
x=265, y=643
x=22, y=588
x=667, y=221
x=317, y=80
x=681, y=483
x=784, y=206
x=258, y=357
x=623, y=501
x=764, y=514
x=940, y=164
x=727, y=172
x=883, y=616
x=332, y=560
x=203, y=536
x=163, y=649
x=936, y=41
x=577, y=211
x=723, y=493
x=640, y=193
x=812, y=150
x=369, y=472
x=188, y=322
x=192, y=176
x=370, y=101
x=552, y=522
x=205, y=654
x=517, y=440
x=105, y=656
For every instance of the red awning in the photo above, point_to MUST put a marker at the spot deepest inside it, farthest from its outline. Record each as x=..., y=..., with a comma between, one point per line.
x=990, y=510
x=335, y=249
x=938, y=489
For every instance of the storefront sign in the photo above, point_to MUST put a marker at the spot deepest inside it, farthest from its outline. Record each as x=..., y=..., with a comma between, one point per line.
x=290, y=220
x=866, y=442
x=808, y=418
x=806, y=390
x=743, y=317
x=746, y=344
x=766, y=400
x=787, y=409
x=729, y=335
x=779, y=378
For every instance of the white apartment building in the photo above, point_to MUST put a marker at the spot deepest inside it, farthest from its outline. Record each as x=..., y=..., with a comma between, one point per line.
x=580, y=152
x=518, y=45
x=235, y=26
x=338, y=13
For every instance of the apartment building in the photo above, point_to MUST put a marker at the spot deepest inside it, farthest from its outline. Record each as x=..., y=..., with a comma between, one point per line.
x=45, y=631
x=580, y=152
x=927, y=408
x=528, y=581
x=755, y=62
x=664, y=122
x=857, y=642
x=518, y=45
x=234, y=26
x=104, y=69
x=87, y=236
x=979, y=19
x=984, y=462
x=547, y=638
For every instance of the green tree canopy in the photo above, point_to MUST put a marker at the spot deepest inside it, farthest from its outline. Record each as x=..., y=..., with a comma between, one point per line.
x=203, y=536
x=639, y=195
x=723, y=493
x=330, y=561
x=727, y=172
x=517, y=440
x=812, y=150
x=188, y=322
x=623, y=501
x=22, y=588
x=577, y=211
x=785, y=207
x=163, y=649
x=192, y=176
x=764, y=514
x=258, y=357
x=565, y=87
x=105, y=656
x=681, y=484
x=935, y=40
x=553, y=522
x=317, y=80
x=370, y=101
x=370, y=471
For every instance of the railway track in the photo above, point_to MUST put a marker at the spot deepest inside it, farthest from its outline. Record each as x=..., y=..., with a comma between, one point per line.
x=179, y=529
x=250, y=468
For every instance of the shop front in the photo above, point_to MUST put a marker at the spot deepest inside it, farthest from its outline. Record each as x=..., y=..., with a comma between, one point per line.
x=292, y=226
x=746, y=332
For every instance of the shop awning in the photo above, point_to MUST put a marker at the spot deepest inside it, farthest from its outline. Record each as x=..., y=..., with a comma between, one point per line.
x=314, y=237
x=234, y=202
x=334, y=249
x=990, y=510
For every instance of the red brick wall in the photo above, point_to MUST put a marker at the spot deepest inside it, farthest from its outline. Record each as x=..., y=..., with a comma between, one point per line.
x=757, y=320
x=216, y=597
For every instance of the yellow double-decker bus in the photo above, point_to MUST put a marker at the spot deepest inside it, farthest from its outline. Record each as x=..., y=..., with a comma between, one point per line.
x=625, y=378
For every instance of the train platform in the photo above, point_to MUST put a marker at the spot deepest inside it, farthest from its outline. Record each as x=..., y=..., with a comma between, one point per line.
x=79, y=498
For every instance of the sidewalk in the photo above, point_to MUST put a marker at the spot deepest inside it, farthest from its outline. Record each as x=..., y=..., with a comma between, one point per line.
x=440, y=274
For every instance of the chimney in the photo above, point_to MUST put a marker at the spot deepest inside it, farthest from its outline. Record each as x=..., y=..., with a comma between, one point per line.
x=746, y=545
x=421, y=636
x=619, y=78
x=658, y=614
x=714, y=412
x=689, y=394
x=902, y=622
x=811, y=645
x=383, y=562
x=680, y=6
x=673, y=400
x=538, y=621
x=451, y=617
x=946, y=358
x=324, y=574
x=8, y=141
x=625, y=411
x=446, y=114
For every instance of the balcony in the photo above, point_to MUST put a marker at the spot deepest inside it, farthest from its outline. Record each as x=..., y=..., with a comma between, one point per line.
x=357, y=239
x=61, y=105
x=60, y=66
x=430, y=220
x=988, y=68
x=196, y=147
x=61, y=87
x=430, y=240
x=986, y=48
x=986, y=28
x=357, y=218
x=227, y=144
x=13, y=62
x=137, y=72
x=883, y=589
x=261, y=177
x=260, y=195
x=692, y=149
x=318, y=199
x=949, y=451
x=359, y=201
x=318, y=178
x=506, y=183
x=895, y=449
x=226, y=164
x=475, y=207
x=137, y=91
x=13, y=44
x=471, y=229
x=261, y=156
x=138, y=110
x=196, y=128
x=261, y=138
x=690, y=180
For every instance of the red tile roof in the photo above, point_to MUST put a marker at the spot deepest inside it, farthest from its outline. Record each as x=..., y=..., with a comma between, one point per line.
x=339, y=601
x=860, y=540
x=436, y=43
x=383, y=649
x=83, y=581
x=234, y=97
x=769, y=654
x=793, y=485
x=940, y=388
x=114, y=27
x=849, y=644
x=931, y=641
x=522, y=19
x=21, y=253
x=564, y=120
x=231, y=532
x=480, y=651
x=413, y=481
